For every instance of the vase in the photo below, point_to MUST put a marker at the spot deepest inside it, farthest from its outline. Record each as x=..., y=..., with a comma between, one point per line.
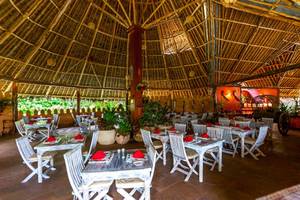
x=122, y=139
x=107, y=137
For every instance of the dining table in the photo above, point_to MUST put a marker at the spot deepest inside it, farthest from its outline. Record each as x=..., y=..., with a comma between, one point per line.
x=202, y=145
x=120, y=165
x=242, y=134
x=62, y=143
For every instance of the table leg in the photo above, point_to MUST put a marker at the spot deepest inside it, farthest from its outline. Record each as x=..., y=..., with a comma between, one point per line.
x=40, y=167
x=164, y=153
x=220, y=158
x=85, y=194
x=201, y=156
x=243, y=147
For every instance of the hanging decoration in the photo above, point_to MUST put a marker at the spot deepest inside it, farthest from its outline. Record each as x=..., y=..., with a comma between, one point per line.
x=51, y=62
x=91, y=25
x=192, y=74
x=141, y=86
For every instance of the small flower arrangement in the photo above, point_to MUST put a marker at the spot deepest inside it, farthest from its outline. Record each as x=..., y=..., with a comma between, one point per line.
x=141, y=86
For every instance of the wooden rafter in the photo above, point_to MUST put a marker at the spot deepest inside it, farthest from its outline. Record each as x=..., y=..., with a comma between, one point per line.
x=43, y=38
x=117, y=13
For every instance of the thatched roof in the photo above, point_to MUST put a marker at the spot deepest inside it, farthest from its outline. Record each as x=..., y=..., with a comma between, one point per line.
x=46, y=44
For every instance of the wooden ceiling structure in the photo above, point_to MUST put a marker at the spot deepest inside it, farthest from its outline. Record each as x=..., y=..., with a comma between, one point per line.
x=55, y=47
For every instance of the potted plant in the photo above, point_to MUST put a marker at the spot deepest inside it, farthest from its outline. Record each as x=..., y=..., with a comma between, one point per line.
x=124, y=129
x=107, y=133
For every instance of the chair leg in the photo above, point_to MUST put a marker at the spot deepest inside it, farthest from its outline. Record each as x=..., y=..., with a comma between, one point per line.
x=192, y=170
x=175, y=166
x=260, y=152
x=29, y=176
x=126, y=196
x=250, y=152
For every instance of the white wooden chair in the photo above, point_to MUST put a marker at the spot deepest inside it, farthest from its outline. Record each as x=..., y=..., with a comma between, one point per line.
x=78, y=119
x=214, y=133
x=230, y=141
x=29, y=157
x=182, y=154
x=194, y=121
x=180, y=127
x=74, y=165
x=92, y=146
x=23, y=131
x=252, y=145
x=137, y=184
x=146, y=135
x=224, y=121
x=199, y=128
x=242, y=124
x=204, y=116
x=55, y=121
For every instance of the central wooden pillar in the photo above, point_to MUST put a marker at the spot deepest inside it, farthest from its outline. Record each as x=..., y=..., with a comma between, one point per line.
x=78, y=101
x=135, y=64
x=14, y=100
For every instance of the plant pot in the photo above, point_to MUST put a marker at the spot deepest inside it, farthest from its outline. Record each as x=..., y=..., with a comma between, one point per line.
x=122, y=139
x=106, y=137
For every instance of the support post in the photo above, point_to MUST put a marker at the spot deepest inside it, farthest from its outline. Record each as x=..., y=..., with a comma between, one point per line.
x=14, y=100
x=135, y=61
x=78, y=101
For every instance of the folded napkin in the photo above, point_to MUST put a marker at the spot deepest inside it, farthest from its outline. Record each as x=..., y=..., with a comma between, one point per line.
x=209, y=124
x=99, y=155
x=188, y=138
x=138, y=154
x=51, y=139
x=247, y=128
x=49, y=121
x=217, y=123
x=204, y=135
x=238, y=126
x=172, y=129
x=156, y=131
x=78, y=136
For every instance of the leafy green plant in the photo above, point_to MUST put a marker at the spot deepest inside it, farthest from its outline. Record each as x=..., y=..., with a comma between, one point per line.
x=154, y=114
x=109, y=118
x=124, y=124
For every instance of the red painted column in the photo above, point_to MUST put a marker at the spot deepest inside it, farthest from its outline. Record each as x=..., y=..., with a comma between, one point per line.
x=135, y=62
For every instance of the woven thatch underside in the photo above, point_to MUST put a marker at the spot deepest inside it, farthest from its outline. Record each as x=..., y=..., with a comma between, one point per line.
x=83, y=44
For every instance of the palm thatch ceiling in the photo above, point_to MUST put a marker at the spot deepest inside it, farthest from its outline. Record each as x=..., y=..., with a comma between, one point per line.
x=52, y=47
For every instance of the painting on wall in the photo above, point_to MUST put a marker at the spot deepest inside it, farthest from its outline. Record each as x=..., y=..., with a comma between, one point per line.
x=228, y=98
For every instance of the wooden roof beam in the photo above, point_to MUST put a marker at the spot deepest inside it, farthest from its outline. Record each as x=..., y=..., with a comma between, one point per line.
x=117, y=13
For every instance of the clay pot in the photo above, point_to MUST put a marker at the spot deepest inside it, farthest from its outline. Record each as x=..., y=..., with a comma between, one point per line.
x=122, y=139
x=107, y=137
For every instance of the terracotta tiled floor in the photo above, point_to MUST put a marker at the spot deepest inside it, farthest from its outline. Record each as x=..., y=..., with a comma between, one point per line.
x=241, y=179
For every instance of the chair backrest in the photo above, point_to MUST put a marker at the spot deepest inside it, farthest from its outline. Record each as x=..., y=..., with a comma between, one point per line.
x=242, y=124
x=25, y=119
x=204, y=116
x=227, y=135
x=194, y=121
x=78, y=119
x=55, y=119
x=268, y=122
x=177, y=145
x=224, y=121
x=215, y=132
x=180, y=127
x=24, y=148
x=92, y=145
x=261, y=136
x=74, y=166
x=199, y=128
x=20, y=127
x=152, y=154
x=146, y=135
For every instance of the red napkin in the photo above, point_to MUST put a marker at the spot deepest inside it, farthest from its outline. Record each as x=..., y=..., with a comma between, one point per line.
x=172, y=129
x=49, y=121
x=217, y=123
x=99, y=155
x=156, y=131
x=51, y=139
x=204, y=135
x=78, y=137
x=31, y=122
x=209, y=124
x=138, y=154
x=237, y=125
x=188, y=138
x=247, y=128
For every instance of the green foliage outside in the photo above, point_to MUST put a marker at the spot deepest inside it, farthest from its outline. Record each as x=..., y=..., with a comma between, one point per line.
x=40, y=103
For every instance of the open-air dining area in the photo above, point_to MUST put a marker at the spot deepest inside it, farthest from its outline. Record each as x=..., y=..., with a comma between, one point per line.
x=150, y=99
